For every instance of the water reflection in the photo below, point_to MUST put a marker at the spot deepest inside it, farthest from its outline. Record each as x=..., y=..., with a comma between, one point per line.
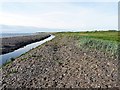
x=6, y=57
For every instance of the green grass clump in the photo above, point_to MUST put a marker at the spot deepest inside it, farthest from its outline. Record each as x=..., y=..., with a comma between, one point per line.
x=104, y=35
x=99, y=44
x=107, y=41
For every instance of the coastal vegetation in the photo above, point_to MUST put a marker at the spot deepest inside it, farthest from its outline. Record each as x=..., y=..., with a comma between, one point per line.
x=107, y=41
x=71, y=59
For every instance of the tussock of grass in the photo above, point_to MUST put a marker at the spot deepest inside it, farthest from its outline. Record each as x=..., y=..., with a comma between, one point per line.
x=99, y=44
x=107, y=41
x=104, y=35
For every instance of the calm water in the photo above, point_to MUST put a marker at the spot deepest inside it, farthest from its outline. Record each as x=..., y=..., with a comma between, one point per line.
x=6, y=57
x=14, y=34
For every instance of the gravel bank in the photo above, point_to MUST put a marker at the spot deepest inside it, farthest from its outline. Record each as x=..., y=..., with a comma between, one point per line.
x=10, y=44
x=60, y=63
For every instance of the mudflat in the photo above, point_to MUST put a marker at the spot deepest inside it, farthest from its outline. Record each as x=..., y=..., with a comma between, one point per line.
x=10, y=44
x=61, y=63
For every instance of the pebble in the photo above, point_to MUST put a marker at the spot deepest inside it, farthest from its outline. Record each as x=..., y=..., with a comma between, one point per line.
x=87, y=69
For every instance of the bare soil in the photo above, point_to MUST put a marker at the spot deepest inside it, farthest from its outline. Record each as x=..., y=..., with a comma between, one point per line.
x=60, y=63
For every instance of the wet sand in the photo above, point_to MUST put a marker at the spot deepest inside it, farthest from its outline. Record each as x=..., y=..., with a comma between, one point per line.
x=10, y=44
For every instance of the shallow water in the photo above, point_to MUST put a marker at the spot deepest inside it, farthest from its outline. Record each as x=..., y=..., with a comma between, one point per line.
x=6, y=57
x=3, y=35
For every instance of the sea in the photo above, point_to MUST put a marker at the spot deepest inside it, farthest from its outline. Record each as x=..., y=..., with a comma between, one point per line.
x=2, y=35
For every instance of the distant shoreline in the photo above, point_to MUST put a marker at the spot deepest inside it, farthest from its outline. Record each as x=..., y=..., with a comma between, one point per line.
x=10, y=44
x=4, y=35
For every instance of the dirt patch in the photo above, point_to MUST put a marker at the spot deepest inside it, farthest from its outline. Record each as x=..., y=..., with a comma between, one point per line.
x=61, y=63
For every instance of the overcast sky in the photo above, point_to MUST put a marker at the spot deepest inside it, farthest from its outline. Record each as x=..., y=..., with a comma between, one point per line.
x=61, y=15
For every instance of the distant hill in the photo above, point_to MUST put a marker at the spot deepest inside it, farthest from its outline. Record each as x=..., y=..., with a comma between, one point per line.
x=25, y=29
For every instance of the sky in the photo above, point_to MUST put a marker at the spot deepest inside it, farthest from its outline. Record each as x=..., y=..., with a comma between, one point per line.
x=75, y=16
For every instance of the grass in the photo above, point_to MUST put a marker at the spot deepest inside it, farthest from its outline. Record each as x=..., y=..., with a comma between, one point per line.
x=106, y=41
x=6, y=64
x=99, y=44
x=104, y=35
